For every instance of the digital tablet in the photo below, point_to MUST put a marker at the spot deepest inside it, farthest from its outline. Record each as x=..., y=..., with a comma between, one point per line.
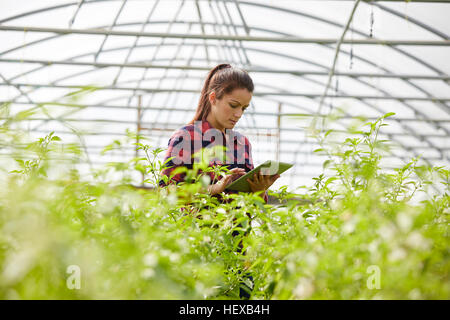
x=269, y=167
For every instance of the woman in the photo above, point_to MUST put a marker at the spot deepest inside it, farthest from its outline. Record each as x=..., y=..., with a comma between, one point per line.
x=226, y=94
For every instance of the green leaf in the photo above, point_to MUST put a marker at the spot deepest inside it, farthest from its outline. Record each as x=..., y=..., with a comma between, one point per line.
x=389, y=114
x=326, y=164
x=328, y=132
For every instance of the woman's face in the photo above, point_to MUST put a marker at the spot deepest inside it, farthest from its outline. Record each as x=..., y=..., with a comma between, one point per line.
x=226, y=112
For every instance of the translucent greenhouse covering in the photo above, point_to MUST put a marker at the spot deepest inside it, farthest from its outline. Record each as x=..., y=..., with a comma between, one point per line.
x=93, y=69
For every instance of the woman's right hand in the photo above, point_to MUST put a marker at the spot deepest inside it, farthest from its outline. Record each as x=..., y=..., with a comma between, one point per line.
x=220, y=185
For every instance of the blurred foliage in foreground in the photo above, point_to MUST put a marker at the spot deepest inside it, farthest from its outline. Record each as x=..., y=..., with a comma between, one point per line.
x=359, y=235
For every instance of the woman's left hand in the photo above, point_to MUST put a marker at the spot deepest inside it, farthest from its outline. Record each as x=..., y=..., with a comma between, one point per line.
x=262, y=182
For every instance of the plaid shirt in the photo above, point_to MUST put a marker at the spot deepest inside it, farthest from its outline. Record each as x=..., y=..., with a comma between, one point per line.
x=192, y=138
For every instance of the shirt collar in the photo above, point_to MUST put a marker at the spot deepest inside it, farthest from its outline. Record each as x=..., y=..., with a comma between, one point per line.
x=206, y=125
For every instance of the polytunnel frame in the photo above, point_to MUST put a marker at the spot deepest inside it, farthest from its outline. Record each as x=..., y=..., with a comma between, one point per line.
x=97, y=53
x=443, y=77
x=140, y=65
x=422, y=77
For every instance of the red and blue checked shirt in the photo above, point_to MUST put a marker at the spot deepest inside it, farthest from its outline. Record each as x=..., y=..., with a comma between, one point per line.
x=190, y=139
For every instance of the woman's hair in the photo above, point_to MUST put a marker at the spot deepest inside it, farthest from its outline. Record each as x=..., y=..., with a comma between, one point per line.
x=222, y=79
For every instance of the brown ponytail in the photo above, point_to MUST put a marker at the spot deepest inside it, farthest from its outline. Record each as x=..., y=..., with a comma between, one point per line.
x=222, y=79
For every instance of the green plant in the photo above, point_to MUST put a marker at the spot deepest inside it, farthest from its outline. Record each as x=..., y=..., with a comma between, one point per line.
x=179, y=243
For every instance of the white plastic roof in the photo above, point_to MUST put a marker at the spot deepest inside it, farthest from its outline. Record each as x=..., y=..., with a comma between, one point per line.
x=154, y=55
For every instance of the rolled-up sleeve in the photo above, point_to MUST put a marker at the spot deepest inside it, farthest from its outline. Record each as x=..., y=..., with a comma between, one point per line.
x=179, y=152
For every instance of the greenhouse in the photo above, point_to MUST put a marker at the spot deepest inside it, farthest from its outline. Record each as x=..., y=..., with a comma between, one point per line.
x=353, y=94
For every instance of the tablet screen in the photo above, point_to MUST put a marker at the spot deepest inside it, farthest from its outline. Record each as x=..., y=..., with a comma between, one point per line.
x=269, y=167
